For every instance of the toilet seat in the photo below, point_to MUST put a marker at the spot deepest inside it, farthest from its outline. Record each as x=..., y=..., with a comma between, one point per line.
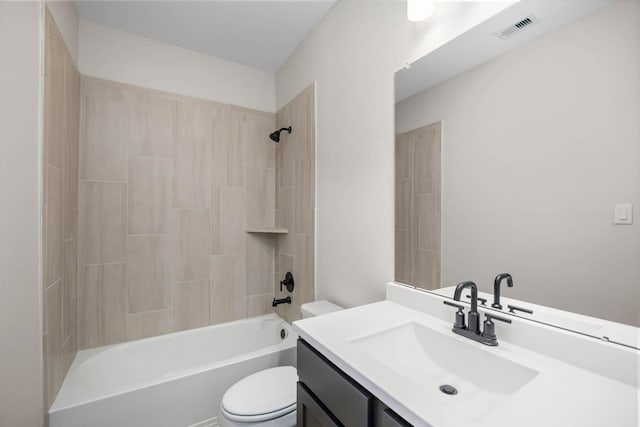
x=259, y=417
x=262, y=396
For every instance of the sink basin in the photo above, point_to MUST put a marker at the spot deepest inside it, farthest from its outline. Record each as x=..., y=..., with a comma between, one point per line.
x=431, y=359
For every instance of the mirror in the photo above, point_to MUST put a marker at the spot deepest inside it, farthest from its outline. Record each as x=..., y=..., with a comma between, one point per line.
x=515, y=144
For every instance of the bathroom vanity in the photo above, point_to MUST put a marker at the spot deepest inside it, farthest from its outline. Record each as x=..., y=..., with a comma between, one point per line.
x=397, y=362
x=329, y=397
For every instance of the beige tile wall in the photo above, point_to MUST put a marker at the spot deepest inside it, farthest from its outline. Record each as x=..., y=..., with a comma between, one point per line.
x=418, y=198
x=295, y=201
x=60, y=203
x=168, y=185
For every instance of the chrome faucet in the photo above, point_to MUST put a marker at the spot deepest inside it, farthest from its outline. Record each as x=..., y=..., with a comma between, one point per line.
x=472, y=331
x=496, y=288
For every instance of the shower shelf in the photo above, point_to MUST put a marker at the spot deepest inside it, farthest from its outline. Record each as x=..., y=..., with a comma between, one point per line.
x=268, y=230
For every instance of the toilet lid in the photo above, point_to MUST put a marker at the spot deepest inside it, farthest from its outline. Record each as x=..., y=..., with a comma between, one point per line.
x=265, y=394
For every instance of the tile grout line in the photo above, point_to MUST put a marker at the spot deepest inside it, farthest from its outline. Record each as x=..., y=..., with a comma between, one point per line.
x=101, y=181
x=55, y=282
x=103, y=263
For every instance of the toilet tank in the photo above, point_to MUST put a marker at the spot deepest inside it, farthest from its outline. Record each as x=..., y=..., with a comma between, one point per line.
x=318, y=308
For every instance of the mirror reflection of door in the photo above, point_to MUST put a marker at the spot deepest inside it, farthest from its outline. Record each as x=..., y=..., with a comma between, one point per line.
x=417, y=233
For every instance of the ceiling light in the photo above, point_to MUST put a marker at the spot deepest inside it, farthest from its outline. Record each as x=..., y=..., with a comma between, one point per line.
x=419, y=10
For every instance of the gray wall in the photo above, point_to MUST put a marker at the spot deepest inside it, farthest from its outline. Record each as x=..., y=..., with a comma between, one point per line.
x=352, y=54
x=538, y=146
x=21, y=372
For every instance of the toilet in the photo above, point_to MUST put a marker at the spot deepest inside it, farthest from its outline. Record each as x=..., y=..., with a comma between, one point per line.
x=267, y=398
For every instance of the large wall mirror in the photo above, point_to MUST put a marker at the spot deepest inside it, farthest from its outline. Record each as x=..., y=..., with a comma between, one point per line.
x=514, y=144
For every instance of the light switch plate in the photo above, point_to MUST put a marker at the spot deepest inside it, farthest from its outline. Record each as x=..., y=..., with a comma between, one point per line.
x=623, y=214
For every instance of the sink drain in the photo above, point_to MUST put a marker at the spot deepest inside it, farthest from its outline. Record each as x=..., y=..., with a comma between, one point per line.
x=448, y=389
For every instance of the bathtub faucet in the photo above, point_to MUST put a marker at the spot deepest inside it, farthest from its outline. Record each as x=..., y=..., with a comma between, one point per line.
x=277, y=302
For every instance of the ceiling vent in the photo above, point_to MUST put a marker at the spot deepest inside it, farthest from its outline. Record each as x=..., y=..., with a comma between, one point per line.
x=519, y=26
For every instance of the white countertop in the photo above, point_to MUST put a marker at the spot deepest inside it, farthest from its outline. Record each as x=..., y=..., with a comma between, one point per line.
x=561, y=394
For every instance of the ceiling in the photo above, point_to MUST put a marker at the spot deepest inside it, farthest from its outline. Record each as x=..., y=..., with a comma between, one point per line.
x=480, y=43
x=260, y=34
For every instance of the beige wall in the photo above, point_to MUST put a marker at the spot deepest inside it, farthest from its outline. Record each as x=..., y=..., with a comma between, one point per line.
x=116, y=55
x=60, y=204
x=538, y=146
x=352, y=54
x=295, y=201
x=168, y=185
x=21, y=366
x=418, y=199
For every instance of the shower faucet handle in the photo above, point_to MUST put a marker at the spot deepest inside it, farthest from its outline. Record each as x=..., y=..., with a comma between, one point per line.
x=287, y=282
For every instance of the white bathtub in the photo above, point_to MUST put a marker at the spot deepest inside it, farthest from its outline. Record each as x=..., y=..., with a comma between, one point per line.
x=174, y=380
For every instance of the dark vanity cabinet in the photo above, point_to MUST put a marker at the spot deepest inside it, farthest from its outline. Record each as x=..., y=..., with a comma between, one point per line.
x=329, y=397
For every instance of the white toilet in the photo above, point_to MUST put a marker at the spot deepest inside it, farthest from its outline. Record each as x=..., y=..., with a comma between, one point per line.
x=267, y=398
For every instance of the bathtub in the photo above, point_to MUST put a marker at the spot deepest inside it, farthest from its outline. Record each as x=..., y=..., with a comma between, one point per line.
x=174, y=380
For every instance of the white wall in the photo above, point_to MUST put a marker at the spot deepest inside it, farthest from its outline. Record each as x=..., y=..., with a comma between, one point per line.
x=538, y=146
x=116, y=55
x=353, y=54
x=66, y=16
x=21, y=372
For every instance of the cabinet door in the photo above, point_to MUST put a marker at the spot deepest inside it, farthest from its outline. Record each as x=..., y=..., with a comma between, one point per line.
x=391, y=419
x=311, y=412
x=347, y=400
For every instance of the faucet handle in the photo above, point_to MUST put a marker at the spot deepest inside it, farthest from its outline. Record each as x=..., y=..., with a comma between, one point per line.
x=514, y=308
x=459, y=322
x=491, y=317
x=489, y=331
x=452, y=304
x=483, y=301
x=288, y=282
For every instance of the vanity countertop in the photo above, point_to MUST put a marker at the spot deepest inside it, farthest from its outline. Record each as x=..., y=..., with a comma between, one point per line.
x=558, y=394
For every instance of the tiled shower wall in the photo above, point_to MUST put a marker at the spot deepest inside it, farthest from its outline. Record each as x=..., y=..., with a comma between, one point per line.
x=167, y=187
x=62, y=92
x=418, y=198
x=295, y=201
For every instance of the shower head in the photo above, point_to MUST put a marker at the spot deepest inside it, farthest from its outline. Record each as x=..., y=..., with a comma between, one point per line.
x=275, y=136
